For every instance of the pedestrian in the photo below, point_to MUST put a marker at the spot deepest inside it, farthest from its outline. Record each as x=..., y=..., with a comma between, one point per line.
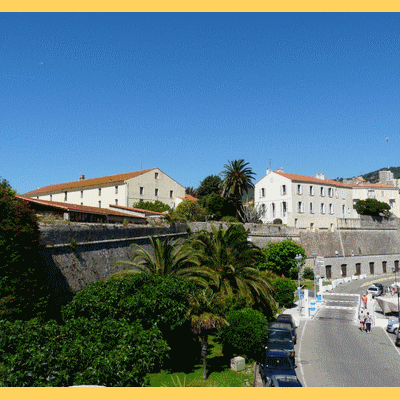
x=364, y=300
x=361, y=317
x=368, y=322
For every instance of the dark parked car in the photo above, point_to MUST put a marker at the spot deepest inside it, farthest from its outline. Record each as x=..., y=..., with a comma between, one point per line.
x=285, y=325
x=280, y=339
x=282, y=381
x=276, y=363
x=286, y=318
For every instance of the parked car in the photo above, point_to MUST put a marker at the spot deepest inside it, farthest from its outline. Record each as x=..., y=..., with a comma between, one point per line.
x=285, y=325
x=286, y=318
x=393, y=326
x=282, y=381
x=375, y=291
x=280, y=339
x=397, y=339
x=379, y=285
x=276, y=363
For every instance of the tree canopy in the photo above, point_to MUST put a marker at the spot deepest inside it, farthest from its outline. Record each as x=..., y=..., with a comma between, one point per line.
x=372, y=207
x=210, y=184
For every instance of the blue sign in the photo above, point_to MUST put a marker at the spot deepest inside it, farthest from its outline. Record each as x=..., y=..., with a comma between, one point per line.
x=302, y=296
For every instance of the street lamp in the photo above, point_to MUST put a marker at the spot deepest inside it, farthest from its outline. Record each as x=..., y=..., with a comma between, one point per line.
x=314, y=254
x=298, y=259
x=398, y=294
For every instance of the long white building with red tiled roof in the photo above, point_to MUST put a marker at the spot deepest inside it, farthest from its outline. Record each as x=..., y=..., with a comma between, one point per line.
x=311, y=203
x=121, y=190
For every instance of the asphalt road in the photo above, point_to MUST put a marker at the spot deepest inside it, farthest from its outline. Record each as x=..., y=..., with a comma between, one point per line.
x=333, y=352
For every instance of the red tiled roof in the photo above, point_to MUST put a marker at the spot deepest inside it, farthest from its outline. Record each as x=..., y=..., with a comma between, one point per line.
x=141, y=210
x=313, y=179
x=75, y=207
x=84, y=183
x=189, y=197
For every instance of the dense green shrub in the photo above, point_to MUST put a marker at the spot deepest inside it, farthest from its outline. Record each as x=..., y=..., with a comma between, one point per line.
x=372, y=207
x=284, y=291
x=23, y=290
x=245, y=333
x=229, y=218
x=219, y=206
x=149, y=298
x=83, y=352
x=190, y=211
x=281, y=255
x=157, y=206
x=308, y=273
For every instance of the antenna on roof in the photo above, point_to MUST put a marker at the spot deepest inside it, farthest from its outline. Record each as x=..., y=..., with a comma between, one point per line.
x=270, y=159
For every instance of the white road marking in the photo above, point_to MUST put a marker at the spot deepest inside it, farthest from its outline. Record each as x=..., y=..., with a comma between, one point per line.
x=300, y=366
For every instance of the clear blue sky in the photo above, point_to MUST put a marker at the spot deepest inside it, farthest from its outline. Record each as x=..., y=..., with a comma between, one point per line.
x=103, y=94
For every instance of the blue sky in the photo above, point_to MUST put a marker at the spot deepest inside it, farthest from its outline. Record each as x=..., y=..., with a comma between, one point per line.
x=102, y=94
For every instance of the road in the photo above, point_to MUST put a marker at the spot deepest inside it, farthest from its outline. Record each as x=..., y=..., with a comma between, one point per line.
x=333, y=352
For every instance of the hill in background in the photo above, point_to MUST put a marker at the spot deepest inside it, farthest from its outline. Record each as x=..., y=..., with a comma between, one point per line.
x=373, y=177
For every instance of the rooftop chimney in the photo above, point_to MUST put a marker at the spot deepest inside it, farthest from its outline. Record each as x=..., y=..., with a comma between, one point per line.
x=280, y=169
x=81, y=177
x=268, y=171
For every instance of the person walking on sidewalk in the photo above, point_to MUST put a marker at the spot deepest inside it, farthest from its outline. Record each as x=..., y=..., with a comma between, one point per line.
x=361, y=317
x=368, y=323
x=365, y=300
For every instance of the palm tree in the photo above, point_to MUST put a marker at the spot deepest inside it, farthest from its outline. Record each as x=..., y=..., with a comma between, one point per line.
x=205, y=317
x=229, y=263
x=191, y=190
x=237, y=179
x=171, y=257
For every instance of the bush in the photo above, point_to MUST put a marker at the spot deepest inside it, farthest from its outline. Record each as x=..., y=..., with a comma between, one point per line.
x=277, y=221
x=219, y=206
x=308, y=273
x=157, y=206
x=23, y=282
x=83, y=352
x=245, y=333
x=284, y=291
x=229, y=218
x=372, y=207
x=190, y=211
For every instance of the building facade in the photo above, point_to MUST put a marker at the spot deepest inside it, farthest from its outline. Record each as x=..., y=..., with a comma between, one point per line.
x=122, y=189
x=311, y=203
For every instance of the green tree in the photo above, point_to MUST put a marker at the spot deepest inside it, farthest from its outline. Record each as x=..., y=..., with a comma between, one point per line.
x=191, y=211
x=157, y=206
x=284, y=289
x=218, y=206
x=280, y=257
x=210, y=184
x=245, y=333
x=229, y=261
x=23, y=282
x=205, y=318
x=238, y=178
x=191, y=191
x=372, y=207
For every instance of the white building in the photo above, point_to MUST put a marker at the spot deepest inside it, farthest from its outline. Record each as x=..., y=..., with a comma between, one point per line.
x=122, y=189
x=312, y=203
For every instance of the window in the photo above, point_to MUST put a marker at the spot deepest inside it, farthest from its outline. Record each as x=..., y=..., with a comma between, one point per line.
x=311, y=192
x=299, y=189
x=322, y=208
x=65, y=196
x=99, y=191
x=273, y=210
x=396, y=265
x=171, y=194
x=51, y=197
x=300, y=207
x=284, y=209
x=116, y=189
x=322, y=192
x=283, y=190
x=99, y=204
x=343, y=211
x=344, y=270
x=358, y=268
x=156, y=192
x=331, y=209
x=328, y=271
x=312, y=229
x=371, y=268
x=263, y=210
x=384, y=267
x=156, y=175
x=141, y=190
x=330, y=192
x=337, y=193
x=343, y=194
x=262, y=192
x=81, y=194
x=311, y=208
x=116, y=202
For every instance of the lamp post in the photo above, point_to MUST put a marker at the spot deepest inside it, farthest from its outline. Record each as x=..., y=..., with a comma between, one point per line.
x=398, y=294
x=314, y=254
x=298, y=259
